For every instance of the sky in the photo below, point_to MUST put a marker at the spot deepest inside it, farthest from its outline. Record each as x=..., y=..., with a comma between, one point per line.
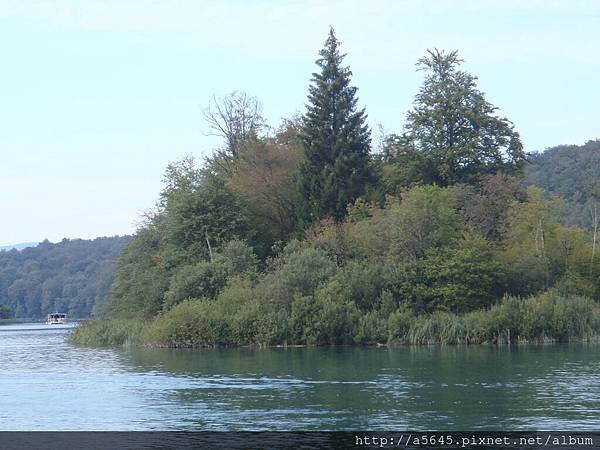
x=97, y=97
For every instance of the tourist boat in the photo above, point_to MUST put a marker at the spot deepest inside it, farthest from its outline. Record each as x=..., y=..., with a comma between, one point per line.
x=56, y=319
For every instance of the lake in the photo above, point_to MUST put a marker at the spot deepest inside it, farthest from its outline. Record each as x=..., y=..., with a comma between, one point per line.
x=47, y=384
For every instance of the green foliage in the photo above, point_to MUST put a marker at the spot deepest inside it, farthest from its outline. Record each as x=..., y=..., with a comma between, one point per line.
x=303, y=318
x=438, y=328
x=6, y=312
x=425, y=218
x=546, y=317
x=208, y=214
x=372, y=328
x=187, y=247
x=252, y=321
x=235, y=317
x=237, y=257
x=399, y=325
x=401, y=273
x=296, y=272
x=336, y=168
x=202, y=280
x=335, y=322
x=141, y=278
x=180, y=177
x=464, y=276
x=205, y=279
x=361, y=283
x=343, y=241
x=323, y=319
x=200, y=323
x=193, y=323
x=539, y=252
x=404, y=167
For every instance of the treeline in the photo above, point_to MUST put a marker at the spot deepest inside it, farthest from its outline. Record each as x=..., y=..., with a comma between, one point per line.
x=308, y=235
x=72, y=276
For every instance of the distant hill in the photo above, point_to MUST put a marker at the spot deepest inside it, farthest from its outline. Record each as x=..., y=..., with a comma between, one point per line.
x=571, y=172
x=72, y=276
x=20, y=246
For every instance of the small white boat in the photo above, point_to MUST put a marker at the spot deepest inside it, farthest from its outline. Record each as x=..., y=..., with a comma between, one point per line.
x=56, y=319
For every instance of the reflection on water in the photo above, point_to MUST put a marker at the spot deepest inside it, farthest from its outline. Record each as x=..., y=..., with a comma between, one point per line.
x=46, y=384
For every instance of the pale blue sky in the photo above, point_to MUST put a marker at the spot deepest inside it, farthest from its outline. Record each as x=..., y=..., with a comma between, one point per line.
x=97, y=96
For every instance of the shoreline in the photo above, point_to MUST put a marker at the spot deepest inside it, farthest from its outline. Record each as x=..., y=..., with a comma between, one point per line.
x=593, y=340
x=17, y=320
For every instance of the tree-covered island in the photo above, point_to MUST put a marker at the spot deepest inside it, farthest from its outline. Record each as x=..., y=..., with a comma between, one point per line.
x=309, y=234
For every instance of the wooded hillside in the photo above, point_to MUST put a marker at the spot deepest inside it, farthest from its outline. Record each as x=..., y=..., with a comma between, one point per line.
x=571, y=172
x=72, y=276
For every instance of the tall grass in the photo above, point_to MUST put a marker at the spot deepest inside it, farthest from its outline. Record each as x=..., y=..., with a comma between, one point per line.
x=113, y=332
x=548, y=317
x=437, y=328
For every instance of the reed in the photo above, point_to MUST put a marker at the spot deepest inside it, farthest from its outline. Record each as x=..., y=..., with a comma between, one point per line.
x=548, y=317
x=104, y=333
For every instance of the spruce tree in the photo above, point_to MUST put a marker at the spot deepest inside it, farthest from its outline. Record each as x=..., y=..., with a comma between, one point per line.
x=336, y=167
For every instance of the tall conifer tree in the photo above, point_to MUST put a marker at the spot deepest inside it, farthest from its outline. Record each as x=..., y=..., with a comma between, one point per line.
x=336, y=168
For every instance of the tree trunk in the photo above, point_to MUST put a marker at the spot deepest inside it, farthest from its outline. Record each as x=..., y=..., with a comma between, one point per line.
x=594, y=240
x=209, y=247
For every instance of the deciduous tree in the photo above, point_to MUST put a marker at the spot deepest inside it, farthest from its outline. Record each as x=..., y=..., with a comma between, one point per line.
x=453, y=130
x=236, y=118
x=265, y=177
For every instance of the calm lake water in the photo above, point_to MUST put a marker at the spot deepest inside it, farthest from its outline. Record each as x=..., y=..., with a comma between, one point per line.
x=47, y=384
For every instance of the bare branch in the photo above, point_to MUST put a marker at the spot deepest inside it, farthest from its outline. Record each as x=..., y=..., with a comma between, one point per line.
x=236, y=118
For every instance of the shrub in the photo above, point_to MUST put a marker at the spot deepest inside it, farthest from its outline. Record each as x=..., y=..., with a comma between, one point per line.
x=303, y=317
x=372, y=328
x=426, y=218
x=192, y=323
x=360, y=283
x=238, y=257
x=399, y=324
x=207, y=278
x=297, y=273
x=464, y=276
x=335, y=321
x=202, y=280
